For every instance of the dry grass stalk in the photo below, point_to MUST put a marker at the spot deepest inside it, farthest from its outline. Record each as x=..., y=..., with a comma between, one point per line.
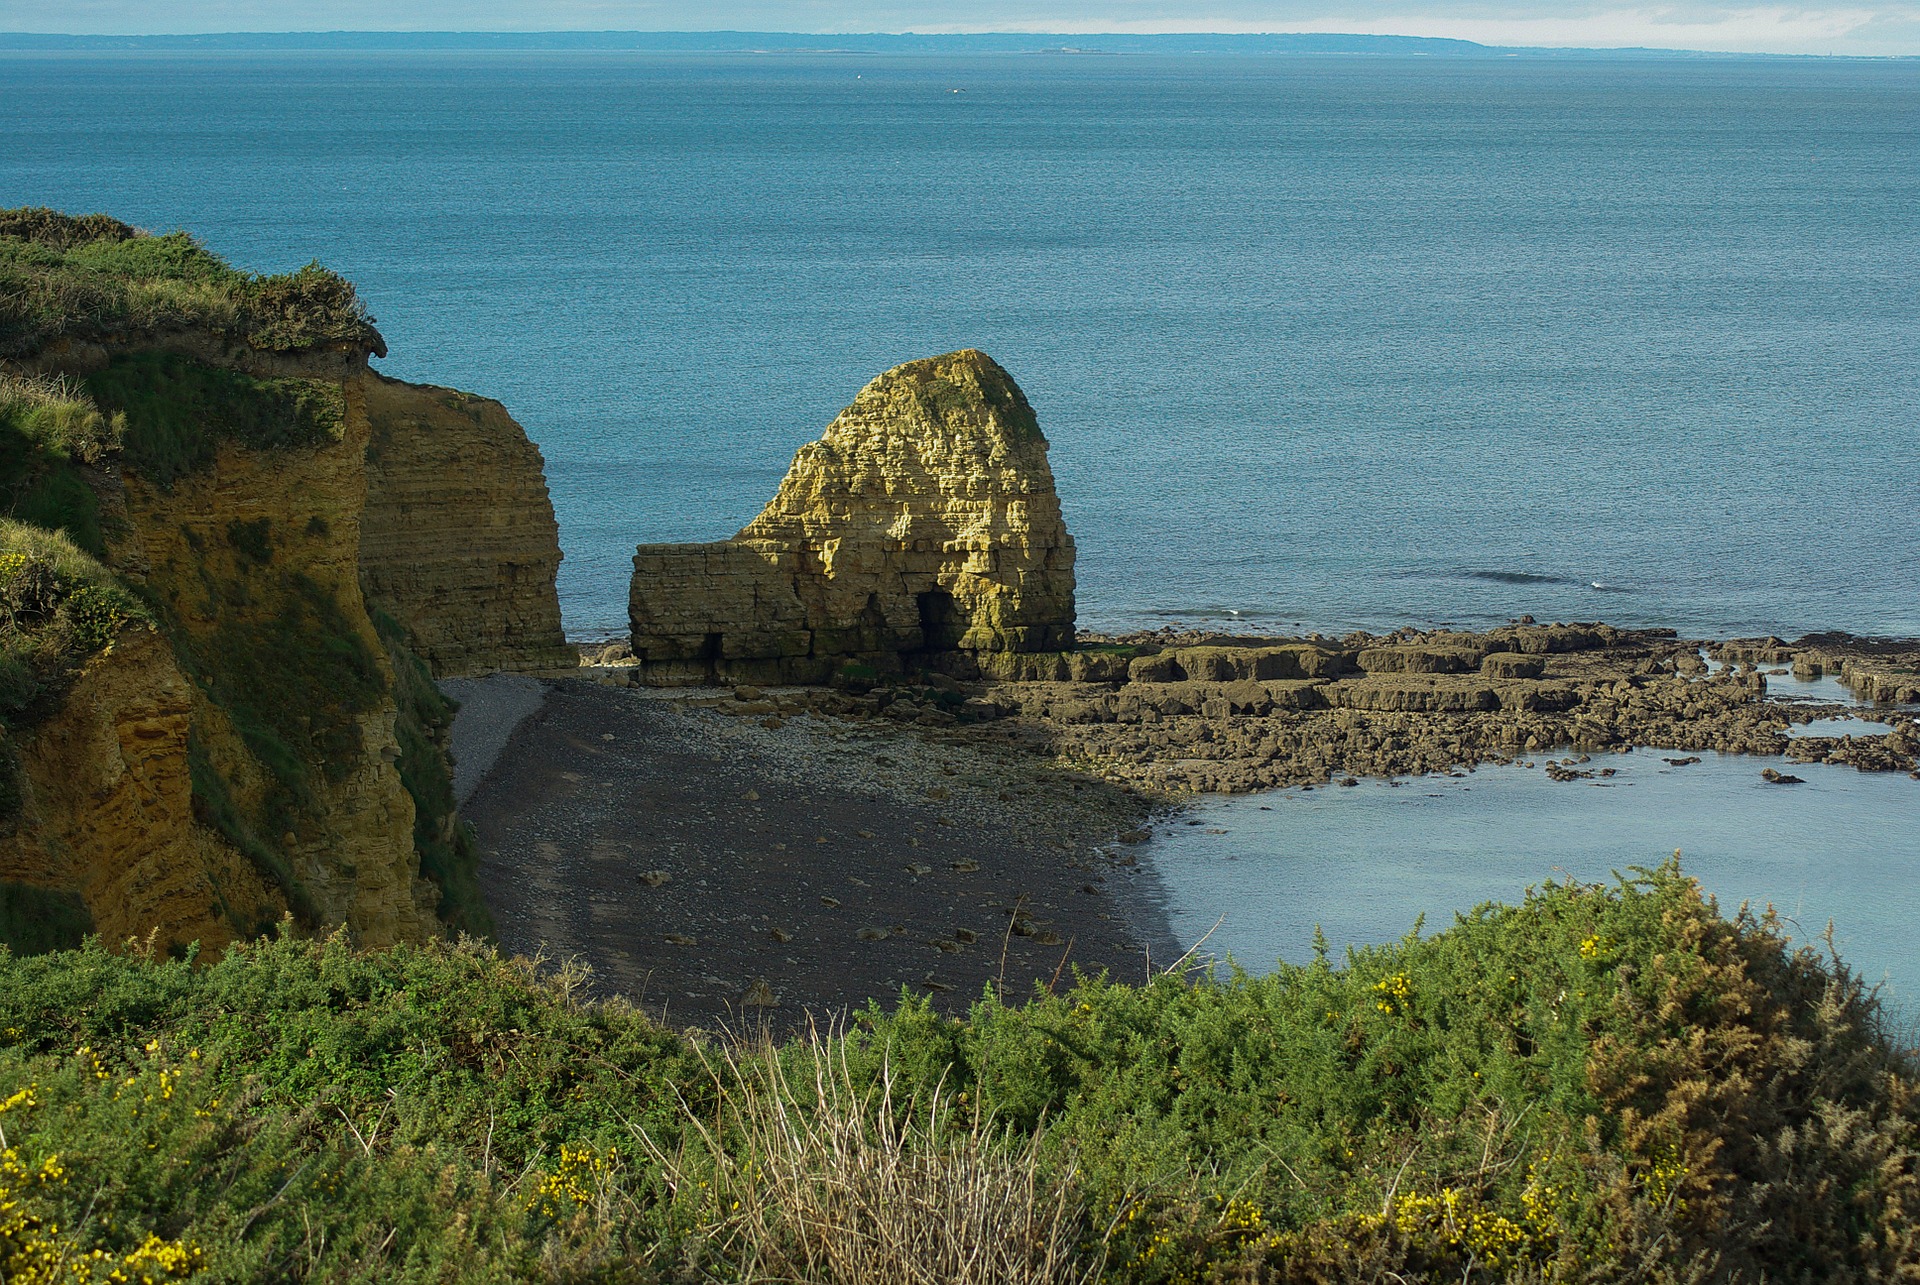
x=832, y=1183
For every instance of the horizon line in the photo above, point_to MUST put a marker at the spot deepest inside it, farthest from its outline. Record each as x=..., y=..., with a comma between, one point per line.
x=732, y=38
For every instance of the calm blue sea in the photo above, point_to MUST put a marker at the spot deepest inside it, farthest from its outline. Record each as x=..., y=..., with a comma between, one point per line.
x=1326, y=342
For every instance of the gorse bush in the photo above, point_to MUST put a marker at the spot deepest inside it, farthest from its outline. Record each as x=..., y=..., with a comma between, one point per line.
x=1598, y=1085
x=58, y=607
x=93, y=277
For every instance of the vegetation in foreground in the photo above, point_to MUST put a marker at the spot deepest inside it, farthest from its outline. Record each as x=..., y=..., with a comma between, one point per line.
x=1601, y=1084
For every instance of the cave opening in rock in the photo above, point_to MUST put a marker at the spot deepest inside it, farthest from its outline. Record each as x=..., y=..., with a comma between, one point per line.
x=941, y=622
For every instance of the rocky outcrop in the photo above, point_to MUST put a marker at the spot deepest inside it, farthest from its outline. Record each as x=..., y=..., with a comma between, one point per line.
x=106, y=808
x=923, y=523
x=269, y=742
x=1209, y=713
x=458, y=539
x=1885, y=670
x=1230, y=715
x=254, y=563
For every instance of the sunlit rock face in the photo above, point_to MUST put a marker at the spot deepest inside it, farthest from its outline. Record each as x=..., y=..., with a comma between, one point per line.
x=922, y=524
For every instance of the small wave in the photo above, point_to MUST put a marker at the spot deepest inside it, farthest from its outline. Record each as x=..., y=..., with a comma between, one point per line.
x=1601, y=587
x=1515, y=577
x=1213, y=613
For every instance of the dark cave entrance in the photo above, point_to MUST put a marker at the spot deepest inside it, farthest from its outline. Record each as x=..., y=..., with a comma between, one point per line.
x=941, y=623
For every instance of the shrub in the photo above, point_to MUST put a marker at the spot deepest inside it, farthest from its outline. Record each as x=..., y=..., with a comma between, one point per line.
x=58, y=607
x=1601, y=1084
x=94, y=277
x=174, y=412
x=49, y=429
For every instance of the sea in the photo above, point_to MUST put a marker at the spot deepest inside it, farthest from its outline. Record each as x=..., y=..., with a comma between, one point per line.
x=1321, y=343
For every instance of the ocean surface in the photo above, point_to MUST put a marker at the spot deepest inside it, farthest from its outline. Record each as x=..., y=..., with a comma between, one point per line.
x=1320, y=342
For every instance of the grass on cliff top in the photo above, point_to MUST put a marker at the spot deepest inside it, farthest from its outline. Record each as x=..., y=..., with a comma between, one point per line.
x=1603, y=1084
x=94, y=278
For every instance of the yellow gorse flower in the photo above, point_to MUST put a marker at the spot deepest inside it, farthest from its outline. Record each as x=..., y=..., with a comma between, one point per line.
x=575, y=1180
x=1395, y=994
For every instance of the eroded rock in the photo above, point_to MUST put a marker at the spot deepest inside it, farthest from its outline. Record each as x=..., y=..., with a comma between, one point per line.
x=924, y=522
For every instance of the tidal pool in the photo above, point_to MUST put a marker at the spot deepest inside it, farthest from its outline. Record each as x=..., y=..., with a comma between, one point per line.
x=1362, y=863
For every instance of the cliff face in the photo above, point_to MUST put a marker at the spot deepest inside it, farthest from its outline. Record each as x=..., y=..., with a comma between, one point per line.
x=255, y=564
x=259, y=745
x=109, y=774
x=923, y=522
x=458, y=539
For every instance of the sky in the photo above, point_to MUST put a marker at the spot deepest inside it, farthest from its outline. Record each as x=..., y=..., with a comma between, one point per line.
x=1870, y=27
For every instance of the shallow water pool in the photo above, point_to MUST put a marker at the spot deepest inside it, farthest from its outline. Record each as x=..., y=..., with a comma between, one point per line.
x=1364, y=862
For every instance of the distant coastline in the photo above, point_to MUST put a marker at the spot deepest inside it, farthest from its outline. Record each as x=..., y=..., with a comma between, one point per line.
x=783, y=42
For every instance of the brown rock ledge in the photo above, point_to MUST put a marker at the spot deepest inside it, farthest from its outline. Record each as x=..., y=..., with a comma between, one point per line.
x=1184, y=713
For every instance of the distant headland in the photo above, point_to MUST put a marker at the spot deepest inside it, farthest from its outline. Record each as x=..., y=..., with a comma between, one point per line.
x=791, y=42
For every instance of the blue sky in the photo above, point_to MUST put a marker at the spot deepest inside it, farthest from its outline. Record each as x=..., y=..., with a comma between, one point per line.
x=1844, y=26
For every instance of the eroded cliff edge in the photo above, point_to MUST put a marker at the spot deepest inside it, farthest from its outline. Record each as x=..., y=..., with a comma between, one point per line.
x=458, y=539
x=249, y=726
x=924, y=522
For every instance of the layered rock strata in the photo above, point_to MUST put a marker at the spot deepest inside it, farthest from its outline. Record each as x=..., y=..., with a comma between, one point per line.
x=1199, y=713
x=107, y=808
x=458, y=539
x=254, y=562
x=924, y=522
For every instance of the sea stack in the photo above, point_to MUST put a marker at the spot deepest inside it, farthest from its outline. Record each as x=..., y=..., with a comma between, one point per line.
x=923, y=527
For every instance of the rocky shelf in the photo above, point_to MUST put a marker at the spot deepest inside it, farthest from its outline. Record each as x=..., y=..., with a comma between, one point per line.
x=1181, y=713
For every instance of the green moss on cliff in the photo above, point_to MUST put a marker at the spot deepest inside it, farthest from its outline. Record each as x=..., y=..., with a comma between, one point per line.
x=294, y=685
x=175, y=412
x=95, y=278
x=448, y=854
x=981, y=381
x=213, y=807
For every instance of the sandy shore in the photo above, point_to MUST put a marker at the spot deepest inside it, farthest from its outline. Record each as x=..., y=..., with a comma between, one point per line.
x=719, y=870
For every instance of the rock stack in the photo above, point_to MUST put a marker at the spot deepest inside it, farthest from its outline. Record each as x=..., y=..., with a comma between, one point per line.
x=922, y=527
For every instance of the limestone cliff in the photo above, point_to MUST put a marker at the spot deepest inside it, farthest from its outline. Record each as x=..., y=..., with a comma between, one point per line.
x=458, y=539
x=254, y=562
x=109, y=774
x=923, y=523
x=242, y=740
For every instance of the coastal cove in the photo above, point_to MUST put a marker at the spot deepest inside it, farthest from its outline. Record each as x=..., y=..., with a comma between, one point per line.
x=1461, y=527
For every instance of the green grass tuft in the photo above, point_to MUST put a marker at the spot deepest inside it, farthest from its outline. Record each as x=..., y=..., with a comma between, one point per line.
x=50, y=431
x=58, y=607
